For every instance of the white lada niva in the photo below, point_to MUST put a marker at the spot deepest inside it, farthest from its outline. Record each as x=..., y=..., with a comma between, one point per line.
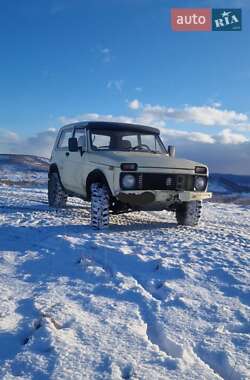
x=122, y=167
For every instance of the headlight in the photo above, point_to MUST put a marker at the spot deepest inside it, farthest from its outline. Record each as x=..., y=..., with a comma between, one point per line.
x=128, y=181
x=200, y=183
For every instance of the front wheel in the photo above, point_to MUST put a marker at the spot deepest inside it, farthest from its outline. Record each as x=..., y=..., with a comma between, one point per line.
x=99, y=206
x=189, y=213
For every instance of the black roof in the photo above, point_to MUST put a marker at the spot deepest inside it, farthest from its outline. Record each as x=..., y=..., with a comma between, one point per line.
x=109, y=125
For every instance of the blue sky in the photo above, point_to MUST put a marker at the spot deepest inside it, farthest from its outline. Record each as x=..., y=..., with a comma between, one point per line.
x=63, y=59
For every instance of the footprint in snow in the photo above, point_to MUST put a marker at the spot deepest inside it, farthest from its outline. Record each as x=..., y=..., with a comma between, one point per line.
x=222, y=275
x=158, y=289
x=37, y=324
x=128, y=372
x=235, y=291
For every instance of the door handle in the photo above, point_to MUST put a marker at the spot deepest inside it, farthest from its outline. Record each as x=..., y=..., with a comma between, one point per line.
x=67, y=154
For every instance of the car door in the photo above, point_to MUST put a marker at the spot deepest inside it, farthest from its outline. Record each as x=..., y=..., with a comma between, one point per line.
x=62, y=155
x=75, y=164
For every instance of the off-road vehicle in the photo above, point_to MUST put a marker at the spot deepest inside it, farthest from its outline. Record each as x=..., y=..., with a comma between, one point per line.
x=122, y=167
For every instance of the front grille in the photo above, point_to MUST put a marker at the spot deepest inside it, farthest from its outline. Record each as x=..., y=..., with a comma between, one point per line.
x=159, y=181
x=167, y=182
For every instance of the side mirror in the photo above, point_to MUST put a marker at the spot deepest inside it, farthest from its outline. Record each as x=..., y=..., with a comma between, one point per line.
x=171, y=151
x=73, y=144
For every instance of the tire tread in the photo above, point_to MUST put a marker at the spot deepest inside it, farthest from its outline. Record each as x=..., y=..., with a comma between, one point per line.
x=189, y=213
x=99, y=206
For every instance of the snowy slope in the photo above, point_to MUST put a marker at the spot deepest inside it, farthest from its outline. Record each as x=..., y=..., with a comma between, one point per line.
x=229, y=183
x=143, y=300
x=24, y=170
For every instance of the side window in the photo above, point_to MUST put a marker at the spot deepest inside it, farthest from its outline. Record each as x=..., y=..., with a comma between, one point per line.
x=80, y=134
x=63, y=141
x=100, y=141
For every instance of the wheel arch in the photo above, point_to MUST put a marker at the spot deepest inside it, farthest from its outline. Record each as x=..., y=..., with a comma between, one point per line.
x=96, y=176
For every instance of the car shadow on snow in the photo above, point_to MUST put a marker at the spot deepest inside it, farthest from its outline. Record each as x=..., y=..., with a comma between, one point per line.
x=138, y=226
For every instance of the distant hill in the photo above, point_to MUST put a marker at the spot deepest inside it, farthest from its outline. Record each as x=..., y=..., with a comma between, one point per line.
x=23, y=170
x=229, y=183
x=230, y=188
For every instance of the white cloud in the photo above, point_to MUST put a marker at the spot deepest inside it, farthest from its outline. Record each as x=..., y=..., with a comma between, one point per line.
x=134, y=104
x=200, y=137
x=106, y=54
x=212, y=116
x=203, y=115
x=105, y=51
x=95, y=116
x=216, y=104
x=40, y=144
x=244, y=128
x=7, y=136
x=116, y=84
x=228, y=137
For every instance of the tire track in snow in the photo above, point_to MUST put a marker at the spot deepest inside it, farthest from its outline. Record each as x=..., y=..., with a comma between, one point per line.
x=140, y=294
x=218, y=361
x=147, y=303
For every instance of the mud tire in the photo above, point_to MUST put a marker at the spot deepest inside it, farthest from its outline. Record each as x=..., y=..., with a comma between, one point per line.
x=189, y=213
x=99, y=206
x=56, y=195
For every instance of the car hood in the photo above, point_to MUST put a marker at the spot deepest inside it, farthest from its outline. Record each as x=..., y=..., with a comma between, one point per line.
x=142, y=159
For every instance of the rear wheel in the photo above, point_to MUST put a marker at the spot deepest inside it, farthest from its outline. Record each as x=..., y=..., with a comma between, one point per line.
x=189, y=213
x=99, y=206
x=56, y=195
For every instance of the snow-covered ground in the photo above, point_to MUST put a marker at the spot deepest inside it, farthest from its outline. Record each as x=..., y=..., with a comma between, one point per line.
x=143, y=300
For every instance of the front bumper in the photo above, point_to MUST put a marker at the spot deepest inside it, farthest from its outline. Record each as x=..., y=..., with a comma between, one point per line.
x=187, y=196
x=140, y=197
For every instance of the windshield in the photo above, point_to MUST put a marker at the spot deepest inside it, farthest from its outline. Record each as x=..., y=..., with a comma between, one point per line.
x=126, y=141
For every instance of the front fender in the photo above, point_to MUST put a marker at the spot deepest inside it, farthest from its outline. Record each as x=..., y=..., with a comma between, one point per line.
x=98, y=175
